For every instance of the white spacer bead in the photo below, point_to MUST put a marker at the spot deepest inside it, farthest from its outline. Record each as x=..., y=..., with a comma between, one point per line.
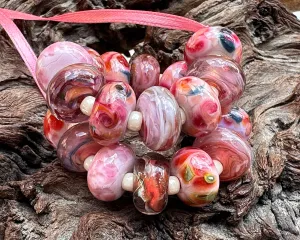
x=183, y=116
x=135, y=121
x=127, y=182
x=174, y=185
x=219, y=166
x=86, y=106
x=87, y=162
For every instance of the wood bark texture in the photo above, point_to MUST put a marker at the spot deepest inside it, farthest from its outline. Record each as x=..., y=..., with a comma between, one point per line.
x=41, y=200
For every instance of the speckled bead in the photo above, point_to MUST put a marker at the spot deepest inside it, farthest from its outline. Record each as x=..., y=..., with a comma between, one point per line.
x=69, y=87
x=228, y=148
x=75, y=146
x=150, y=184
x=198, y=176
x=173, y=73
x=112, y=107
x=213, y=41
x=200, y=103
x=161, y=125
x=145, y=71
x=222, y=73
x=97, y=60
x=57, y=56
x=107, y=170
x=117, y=68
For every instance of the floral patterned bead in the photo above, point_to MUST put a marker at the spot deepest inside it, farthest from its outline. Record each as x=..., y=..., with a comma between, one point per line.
x=97, y=60
x=198, y=176
x=145, y=71
x=57, y=56
x=150, y=184
x=107, y=170
x=213, y=41
x=112, y=107
x=223, y=74
x=228, y=148
x=173, y=73
x=69, y=87
x=200, y=103
x=117, y=68
x=161, y=124
x=75, y=146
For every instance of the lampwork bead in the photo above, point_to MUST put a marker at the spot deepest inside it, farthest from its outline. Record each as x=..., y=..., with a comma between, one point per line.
x=223, y=74
x=57, y=56
x=150, y=184
x=213, y=41
x=200, y=104
x=97, y=60
x=173, y=73
x=198, y=176
x=107, y=170
x=228, y=148
x=145, y=71
x=161, y=125
x=117, y=68
x=69, y=87
x=75, y=146
x=112, y=107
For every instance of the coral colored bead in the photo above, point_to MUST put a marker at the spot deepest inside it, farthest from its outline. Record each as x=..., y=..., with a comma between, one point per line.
x=213, y=41
x=107, y=170
x=238, y=121
x=150, y=184
x=97, y=60
x=198, y=176
x=200, y=104
x=228, y=148
x=117, y=68
x=161, y=124
x=173, y=73
x=223, y=74
x=69, y=87
x=112, y=107
x=57, y=56
x=75, y=146
x=145, y=71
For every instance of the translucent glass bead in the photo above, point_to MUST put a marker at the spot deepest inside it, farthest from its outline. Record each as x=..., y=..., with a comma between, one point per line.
x=161, y=125
x=112, y=107
x=117, y=68
x=75, y=146
x=228, y=148
x=69, y=87
x=173, y=73
x=97, y=60
x=150, y=184
x=200, y=103
x=223, y=74
x=107, y=170
x=145, y=71
x=198, y=176
x=213, y=41
x=57, y=56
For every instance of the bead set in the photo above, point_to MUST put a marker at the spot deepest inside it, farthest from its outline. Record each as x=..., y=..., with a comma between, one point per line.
x=94, y=99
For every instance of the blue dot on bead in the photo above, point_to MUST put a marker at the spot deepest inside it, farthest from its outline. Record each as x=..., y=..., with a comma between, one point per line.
x=226, y=41
x=236, y=116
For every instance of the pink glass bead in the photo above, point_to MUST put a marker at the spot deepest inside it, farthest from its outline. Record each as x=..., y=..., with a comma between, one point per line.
x=69, y=87
x=97, y=60
x=145, y=71
x=57, y=56
x=223, y=74
x=150, y=184
x=173, y=73
x=107, y=170
x=161, y=125
x=213, y=41
x=117, y=68
x=228, y=148
x=198, y=176
x=200, y=104
x=75, y=146
x=238, y=121
x=112, y=107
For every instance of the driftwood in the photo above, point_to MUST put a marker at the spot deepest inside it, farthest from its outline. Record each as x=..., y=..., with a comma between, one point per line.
x=40, y=200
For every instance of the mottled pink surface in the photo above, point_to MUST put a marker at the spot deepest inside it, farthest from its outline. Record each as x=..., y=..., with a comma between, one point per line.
x=97, y=60
x=107, y=170
x=173, y=73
